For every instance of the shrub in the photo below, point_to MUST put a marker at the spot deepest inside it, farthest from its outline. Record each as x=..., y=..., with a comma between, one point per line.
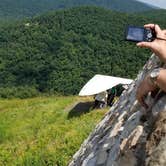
x=18, y=92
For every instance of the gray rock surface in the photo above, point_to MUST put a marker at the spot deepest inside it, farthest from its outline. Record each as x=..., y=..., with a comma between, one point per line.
x=121, y=138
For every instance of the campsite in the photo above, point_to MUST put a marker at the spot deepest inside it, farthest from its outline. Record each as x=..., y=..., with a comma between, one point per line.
x=101, y=87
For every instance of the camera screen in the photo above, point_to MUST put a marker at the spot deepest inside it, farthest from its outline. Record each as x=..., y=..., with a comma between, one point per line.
x=135, y=34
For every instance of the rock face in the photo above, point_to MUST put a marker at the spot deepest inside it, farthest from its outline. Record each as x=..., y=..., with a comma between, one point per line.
x=128, y=135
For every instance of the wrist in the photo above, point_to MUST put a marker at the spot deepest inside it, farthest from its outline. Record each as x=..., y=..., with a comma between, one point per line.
x=162, y=55
x=151, y=83
x=153, y=77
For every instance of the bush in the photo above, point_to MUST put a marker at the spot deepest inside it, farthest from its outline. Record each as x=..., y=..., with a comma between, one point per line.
x=18, y=92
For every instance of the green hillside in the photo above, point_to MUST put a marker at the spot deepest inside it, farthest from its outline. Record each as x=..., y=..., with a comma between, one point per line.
x=22, y=8
x=43, y=131
x=59, y=51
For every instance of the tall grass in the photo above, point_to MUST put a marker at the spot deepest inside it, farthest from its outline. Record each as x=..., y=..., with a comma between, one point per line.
x=39, y=132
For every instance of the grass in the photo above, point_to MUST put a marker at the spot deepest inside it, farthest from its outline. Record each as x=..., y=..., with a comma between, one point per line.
x=39, y=131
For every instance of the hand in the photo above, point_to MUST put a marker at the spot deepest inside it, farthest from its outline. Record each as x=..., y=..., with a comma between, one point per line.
x=144, y=88
x=158, y=46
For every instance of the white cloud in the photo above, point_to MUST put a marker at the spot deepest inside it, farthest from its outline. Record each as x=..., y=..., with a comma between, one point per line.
x=159, y=3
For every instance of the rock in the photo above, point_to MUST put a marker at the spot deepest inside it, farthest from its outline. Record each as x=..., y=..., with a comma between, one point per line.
x=101, y=158
x=158, y=156
x=127, y=159
x=127, y=136
x=156, y=143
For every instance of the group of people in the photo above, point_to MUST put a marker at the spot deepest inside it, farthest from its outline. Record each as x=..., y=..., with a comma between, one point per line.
x=108, y=97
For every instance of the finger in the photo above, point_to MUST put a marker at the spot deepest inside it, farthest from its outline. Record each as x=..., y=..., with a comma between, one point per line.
x=154, y=93
x=145, y=44
x=140, y=97
x=158, y=29
x=145, y=105
x=152, y=26
x=142, y=102
x=164, y=31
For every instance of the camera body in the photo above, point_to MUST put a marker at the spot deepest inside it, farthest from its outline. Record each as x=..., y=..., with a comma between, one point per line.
x=139, y=34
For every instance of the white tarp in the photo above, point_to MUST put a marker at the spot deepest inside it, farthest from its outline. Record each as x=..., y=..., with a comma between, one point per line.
x=100, y=83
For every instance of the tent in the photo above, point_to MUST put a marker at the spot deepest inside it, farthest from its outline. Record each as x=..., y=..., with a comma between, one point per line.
x=100, y=83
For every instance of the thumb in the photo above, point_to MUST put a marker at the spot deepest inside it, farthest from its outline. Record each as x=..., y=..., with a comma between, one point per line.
x=164, y=31
x=157, y=29
x=145, y=44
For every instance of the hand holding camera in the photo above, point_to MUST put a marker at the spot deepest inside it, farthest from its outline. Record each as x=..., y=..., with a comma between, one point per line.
x=150, y=36
x=158, y=45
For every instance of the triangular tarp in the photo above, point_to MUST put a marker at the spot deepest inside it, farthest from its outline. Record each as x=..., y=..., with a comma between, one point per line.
x=100, y=83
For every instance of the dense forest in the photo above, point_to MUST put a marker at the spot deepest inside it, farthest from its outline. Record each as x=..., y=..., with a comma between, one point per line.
x=22, y=8
x=59, y=51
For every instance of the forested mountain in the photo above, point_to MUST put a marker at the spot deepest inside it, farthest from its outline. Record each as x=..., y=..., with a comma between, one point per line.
x=21, y=8
x=59, y=51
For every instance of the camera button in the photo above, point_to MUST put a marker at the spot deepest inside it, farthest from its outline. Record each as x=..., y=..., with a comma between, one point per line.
x=149, y=35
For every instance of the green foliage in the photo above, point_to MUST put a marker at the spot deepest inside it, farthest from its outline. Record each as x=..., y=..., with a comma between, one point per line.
x=59, y=51
x=38, y=132
x=22, y=8
x=18, y=92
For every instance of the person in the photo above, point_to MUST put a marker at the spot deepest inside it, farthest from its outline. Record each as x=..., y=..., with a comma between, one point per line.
x=101, y=99
x=120, y=88
x=111, y=95
x=157, y=78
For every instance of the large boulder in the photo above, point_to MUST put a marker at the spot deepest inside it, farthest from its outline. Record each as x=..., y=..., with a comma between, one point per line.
x=126, y=136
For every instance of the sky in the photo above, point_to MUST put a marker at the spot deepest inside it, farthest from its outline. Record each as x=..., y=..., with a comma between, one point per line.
x=159, y=3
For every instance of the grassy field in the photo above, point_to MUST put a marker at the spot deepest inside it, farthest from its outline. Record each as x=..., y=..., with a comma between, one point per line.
x=44, y=131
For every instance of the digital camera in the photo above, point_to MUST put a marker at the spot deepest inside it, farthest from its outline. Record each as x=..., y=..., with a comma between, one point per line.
x=139, y=34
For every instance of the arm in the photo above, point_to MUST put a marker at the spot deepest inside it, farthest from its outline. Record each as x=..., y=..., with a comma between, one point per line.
x=161, y=80
x=158, y=46
x=147, y=86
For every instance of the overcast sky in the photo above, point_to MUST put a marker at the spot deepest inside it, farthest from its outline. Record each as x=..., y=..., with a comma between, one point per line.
x=159, y=3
